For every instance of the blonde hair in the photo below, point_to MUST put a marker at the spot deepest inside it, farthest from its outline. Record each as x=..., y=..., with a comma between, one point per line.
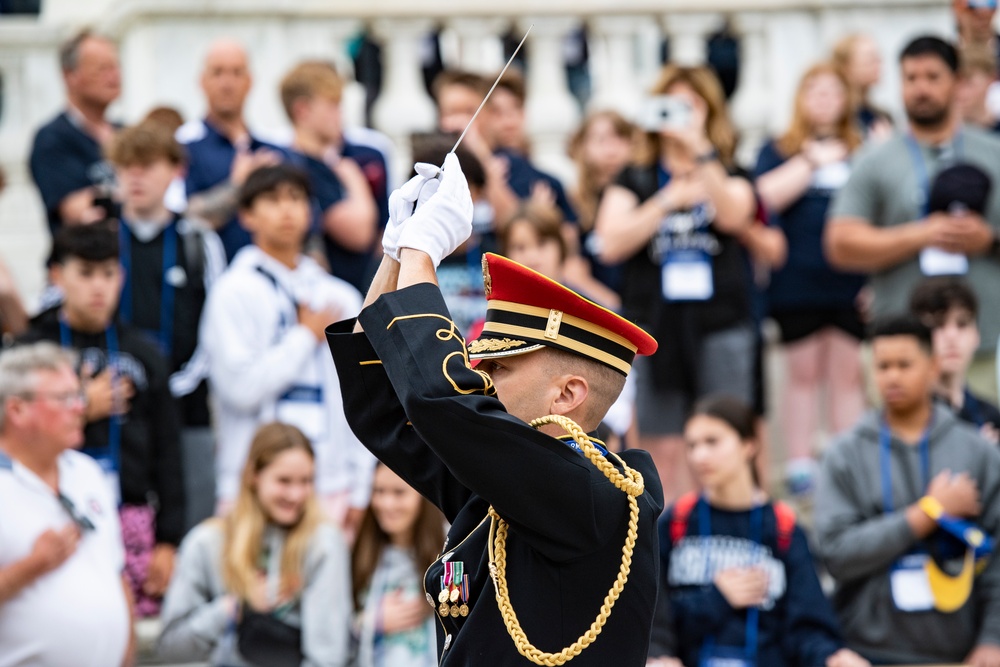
x=309, y=79
x=588, y=189
x=705, y=85
x=243, y=528
x=801, y=129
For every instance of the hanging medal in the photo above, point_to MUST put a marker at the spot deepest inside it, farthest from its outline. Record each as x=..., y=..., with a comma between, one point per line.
x=454, y=593
x=464, y=609
x=445, y=594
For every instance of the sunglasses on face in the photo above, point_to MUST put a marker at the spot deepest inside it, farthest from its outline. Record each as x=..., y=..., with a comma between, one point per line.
x=82, y=522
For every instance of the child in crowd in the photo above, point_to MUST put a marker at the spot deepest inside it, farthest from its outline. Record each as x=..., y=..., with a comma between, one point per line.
x=902, y=504
x=272, y=568
x=949, y=307
x=739, y=585
x=814, y=305
x=601, y=147
x=400, y=536
x=132, y=422
x=263, y=331
x=170, y=265
x=346, y=209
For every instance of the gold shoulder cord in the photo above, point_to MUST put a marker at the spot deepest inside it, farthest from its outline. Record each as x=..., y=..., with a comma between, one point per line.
x=632, y=485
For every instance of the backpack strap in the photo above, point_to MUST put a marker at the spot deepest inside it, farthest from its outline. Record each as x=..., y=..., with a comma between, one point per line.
x=784, y=517
x=682, y=510
x=194, y=250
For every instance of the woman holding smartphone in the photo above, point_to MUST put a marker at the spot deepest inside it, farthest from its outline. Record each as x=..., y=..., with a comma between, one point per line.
x=673, y=218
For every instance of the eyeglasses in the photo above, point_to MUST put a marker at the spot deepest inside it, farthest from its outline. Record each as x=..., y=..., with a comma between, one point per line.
x=82, y=522
x=65, y=399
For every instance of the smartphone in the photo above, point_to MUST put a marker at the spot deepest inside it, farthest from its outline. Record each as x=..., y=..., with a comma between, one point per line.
x=664, y=112
x=981, y=4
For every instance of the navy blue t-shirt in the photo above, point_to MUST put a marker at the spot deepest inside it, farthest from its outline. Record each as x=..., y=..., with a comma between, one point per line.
x=373, y=166
x=327, y=190
x=210, y=157
x=806, y=280
x=65, y=159
x=522, y=176
x=797, y=626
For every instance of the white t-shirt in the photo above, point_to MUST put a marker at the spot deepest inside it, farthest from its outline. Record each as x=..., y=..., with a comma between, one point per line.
x=77, y=614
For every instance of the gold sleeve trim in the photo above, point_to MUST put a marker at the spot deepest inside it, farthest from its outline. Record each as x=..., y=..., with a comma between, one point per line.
x=444, y=335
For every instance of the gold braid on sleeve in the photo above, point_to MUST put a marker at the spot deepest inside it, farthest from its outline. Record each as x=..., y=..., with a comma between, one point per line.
x=630, y=482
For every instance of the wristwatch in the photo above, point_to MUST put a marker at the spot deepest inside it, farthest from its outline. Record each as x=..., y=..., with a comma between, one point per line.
x=931, y=506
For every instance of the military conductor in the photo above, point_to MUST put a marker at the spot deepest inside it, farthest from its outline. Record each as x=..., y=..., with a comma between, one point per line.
x=552, y=554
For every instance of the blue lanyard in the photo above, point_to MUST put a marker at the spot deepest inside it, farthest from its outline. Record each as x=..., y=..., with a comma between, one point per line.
x=756, y=529
x=113, y=449
x=920, y=168
x=885, y=463
x=662, y=175
x=165, y=336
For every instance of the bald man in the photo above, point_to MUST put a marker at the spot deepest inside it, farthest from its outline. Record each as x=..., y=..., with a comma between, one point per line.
x=221, y=150
x=67, y=159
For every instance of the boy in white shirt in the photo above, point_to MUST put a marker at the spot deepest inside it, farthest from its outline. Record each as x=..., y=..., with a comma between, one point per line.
x=263, y=328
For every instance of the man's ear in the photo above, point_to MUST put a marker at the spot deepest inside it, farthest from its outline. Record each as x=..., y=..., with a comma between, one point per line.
x=573, y=392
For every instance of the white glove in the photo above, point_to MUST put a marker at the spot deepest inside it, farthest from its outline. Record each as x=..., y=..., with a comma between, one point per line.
x=445, y=221
x=404, y=200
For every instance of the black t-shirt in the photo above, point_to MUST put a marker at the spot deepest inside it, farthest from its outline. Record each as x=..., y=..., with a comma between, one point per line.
x=979, y=412
x=642, y=290
x=65, y=159
x=144, y=291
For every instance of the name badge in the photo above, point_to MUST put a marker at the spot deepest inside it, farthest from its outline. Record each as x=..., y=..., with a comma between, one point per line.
x=111, y=477
x=911, y=588
x=937, y=262
x=687, y=276
x=303, y=407
x=832, y=176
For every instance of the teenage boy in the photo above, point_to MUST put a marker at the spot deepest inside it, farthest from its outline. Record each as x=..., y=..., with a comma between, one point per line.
x=347, y=211
x=263, y=329
x=893, y=495
x=170, y=265
x=132, y=425
x=949, y=307
x=503, y=129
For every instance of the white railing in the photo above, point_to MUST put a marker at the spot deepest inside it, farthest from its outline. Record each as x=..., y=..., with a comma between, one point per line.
x=162, y=43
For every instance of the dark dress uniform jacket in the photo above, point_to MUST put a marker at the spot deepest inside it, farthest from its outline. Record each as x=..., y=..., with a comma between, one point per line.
x=412, y=399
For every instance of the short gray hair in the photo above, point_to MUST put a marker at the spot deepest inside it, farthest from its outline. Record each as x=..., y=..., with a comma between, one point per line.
x=69, y=51
x=19, y=368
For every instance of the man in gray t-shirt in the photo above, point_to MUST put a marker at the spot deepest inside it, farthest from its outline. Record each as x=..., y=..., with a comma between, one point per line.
x=879, y=223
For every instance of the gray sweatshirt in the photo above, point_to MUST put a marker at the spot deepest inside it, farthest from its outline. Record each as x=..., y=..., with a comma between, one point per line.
x=859, y=542
x=197, y=626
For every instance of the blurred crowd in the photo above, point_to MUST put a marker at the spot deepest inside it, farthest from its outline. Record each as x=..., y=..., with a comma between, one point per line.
x=216, y=483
